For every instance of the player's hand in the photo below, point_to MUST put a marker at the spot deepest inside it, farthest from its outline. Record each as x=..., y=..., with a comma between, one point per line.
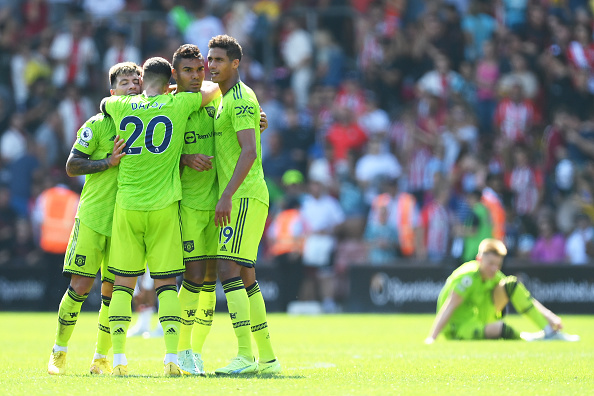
x=429, y=340
x=555, y=322
x=223, y=211
x=198, y=162
x=263, y=121
x=117, y=153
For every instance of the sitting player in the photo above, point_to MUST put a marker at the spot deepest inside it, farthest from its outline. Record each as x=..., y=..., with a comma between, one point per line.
x=470, y=304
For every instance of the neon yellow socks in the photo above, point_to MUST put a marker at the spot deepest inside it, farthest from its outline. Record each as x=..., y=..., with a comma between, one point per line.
x=204, y=316
x=188, y=296
x=239, y=311
x=103, y=333
x=259, y=324
x=68, y=315
x=169, y=316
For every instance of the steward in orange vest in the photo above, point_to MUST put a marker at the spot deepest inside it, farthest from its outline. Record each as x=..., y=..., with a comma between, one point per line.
x=58, y=207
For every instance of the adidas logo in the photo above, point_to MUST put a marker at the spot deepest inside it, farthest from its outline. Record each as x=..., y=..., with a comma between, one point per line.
x=119, y=330
x=171, y=331
x=223, y=248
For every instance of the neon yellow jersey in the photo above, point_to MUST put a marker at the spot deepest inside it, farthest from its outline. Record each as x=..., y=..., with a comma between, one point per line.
x=97, y=199
x=466, y=281
x=200, y=190
x=239, y=110
x=153, y=128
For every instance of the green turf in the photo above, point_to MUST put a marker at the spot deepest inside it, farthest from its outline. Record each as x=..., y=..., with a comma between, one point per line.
x=321, y=355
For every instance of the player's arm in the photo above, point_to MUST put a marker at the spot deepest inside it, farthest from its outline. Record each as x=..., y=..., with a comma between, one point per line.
x=78, y=163
x=443, y=316
x=263, y=120
x=198, y=162
x=553, y=319
x=209, y=91
x=249, y=153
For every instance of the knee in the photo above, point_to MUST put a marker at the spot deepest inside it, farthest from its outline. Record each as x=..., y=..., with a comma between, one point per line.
x=227, y=270
x=194, y=272
x=81, y=284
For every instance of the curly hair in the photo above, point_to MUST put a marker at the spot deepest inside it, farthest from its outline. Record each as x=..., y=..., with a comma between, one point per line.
x=186, y=51
x=229, y=44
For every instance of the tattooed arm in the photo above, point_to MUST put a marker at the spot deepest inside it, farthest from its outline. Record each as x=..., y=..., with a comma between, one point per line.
x=78, y=163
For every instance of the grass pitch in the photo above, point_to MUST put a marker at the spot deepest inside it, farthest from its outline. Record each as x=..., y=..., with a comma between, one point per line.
x=321, y=355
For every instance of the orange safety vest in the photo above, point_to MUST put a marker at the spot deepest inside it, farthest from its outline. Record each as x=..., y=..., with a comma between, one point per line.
x=59, y=207
x=406, y=233
x=497, y=215
x=284, y=240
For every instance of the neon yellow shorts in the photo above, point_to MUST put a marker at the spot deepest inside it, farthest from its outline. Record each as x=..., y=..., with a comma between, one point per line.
x=87, y=253
x=147, y=237
x=473, y=328
x=199, y=234
x=239, y=240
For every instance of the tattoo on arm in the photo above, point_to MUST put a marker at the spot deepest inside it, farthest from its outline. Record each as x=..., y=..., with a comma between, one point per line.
x=79, y=164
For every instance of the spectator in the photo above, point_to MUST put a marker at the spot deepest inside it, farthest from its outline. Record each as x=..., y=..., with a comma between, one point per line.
x=478, y=28
x=330, y=59
x=519, y=74
x=403, y=215
x=487, y=74
x=373, y=167
x=381, y=237
x=285, y=238
x=525, y=182
x=515, y=116
x=345, y=134
x=297, y=52
x=550, y=245
x=13, y=143
x=374, y=120
x=74, y=54
x=322, y=214
x=120, y=50
x=74, y=109
x=8, y=219
x=436, y=224
x=579, y=245
x=477, y=225
x=203, y=27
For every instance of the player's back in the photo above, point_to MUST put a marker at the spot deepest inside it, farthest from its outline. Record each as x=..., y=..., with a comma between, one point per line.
x=153, y=128
x=95, y=139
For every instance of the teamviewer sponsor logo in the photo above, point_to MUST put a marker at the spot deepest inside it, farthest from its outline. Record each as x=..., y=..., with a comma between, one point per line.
x=190, y=137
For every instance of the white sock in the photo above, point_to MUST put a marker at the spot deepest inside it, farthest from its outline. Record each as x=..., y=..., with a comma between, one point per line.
x=170, y=358
x=548, y=330
x=60, y=348
x=99, y=356
x=119, y=358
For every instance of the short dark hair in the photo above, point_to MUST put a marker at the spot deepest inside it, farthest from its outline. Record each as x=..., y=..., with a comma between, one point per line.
x=229, y=44
x=157, y=68
x=123, y=69
x=186, y=51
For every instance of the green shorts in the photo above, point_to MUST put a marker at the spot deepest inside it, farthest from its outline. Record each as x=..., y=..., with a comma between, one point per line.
x=473, y=328
x=150, y=238
x=239, y=240
x=87, y=253
x=199, y=234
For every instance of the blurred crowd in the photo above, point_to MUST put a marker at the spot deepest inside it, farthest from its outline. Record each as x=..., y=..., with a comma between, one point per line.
x=397, y=129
